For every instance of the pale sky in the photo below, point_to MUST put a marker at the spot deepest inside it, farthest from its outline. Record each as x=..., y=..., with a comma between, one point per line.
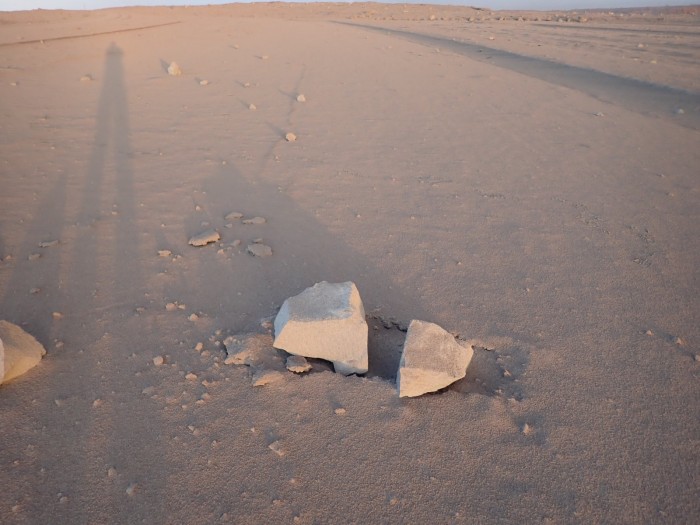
x=12, y=5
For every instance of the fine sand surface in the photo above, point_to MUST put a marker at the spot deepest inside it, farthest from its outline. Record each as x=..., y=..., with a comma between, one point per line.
x=532, y=185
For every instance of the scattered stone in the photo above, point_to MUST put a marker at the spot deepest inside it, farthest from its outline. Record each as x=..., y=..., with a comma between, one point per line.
x=111, y=472
x=203, y=82
x=258, y=240
x=234, y=215
x=680, y=111
x=228, y=225
x=259, y=250
x=158, y=360
x=599, y=114
x=264, y=57
x=97, y=403
x=204, y=238
x=254, y=350
x=678, y=341
x=131, y=489
x=191, y=377
x=290, y=137
x=174, y=69
x=171, y=307
x=255, y=220
x=252, y=107
x=649, y=333
x=164, y=253
x=34, y=257
x=19, y=351
x=198, y=347
x=193, y=317
x=265, y=377
x=236, y=243
x=526, y=429
x=86, y=78
x=326, y=321
x=697, y=357
x=276, y=447
x=431, y=359
x=340, y=411
x=301, y=97
x=48, y=244
x=34, y=291
x=57, y=315
x=297, y=364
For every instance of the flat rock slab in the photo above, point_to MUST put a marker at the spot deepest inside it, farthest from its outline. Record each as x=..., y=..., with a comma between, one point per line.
x=254, y=350
x=431, y=359
x=19, y=351
x=259, y=250
x=326, y=321
x=204, y=238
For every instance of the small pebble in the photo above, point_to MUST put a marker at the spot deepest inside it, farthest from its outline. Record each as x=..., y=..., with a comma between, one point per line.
x=47, y=244
x=198, y=347
x=203, y=82
x=340, y=411
x=34, y=257
x=86, y=78
x=97, y=403
x=290, y=137
x=191, y=377
x=57, y=315
x=158, y=360
x=276, y=447
x=193, y=317
x=680, y=111
x=233, y=216
x=34, y=291
x=164, y=253
x=252, y=107
x=174, y=69
x=111, y=472
x=301, y=97
x=526, y=429
x=171, y=307
x=131, y=489
x=236, y=243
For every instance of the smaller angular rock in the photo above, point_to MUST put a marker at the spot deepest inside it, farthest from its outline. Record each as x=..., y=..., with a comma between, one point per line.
x=297, y=364
x=259, y=250
x=431, y=359
x=326, y=321
x=204, y=238
x=255, y=220
x=233, y=216
x=19, y=351
x=174, y=69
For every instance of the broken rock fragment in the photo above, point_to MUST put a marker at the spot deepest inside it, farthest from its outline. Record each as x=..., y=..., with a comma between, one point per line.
x=297, y=364
x=326, y=321
x=19, y=351
x=431, y=359
x=204, y=238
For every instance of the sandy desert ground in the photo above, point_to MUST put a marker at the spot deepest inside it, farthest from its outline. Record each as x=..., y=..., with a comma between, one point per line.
x=529, y=181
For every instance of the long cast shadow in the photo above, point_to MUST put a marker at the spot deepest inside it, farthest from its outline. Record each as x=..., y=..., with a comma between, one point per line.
x=635, y=95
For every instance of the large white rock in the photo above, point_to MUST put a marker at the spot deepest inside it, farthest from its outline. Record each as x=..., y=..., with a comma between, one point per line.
x=431, y=359
x=19, y=351
x=326, y=321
